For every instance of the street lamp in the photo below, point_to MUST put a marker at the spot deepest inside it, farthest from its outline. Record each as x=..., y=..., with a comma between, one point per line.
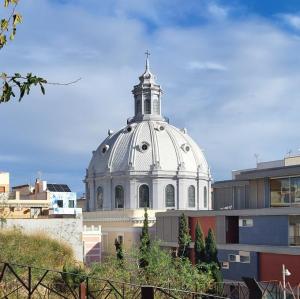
x=285, y=272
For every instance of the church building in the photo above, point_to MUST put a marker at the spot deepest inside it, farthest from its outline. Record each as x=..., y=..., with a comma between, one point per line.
x=148, y=163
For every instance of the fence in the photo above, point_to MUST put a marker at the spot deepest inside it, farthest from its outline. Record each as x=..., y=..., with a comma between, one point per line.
x=19, y=281
x=268, y=290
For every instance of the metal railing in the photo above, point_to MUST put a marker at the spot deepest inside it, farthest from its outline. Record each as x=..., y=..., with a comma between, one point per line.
x=294, y=240
x=19, y=281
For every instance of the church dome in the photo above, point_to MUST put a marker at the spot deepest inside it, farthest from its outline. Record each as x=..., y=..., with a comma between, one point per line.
x=148, y=146
x=148, y=163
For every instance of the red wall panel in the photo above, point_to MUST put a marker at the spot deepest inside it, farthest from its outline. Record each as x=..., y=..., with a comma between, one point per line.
x=270, y=267
x=206, y=223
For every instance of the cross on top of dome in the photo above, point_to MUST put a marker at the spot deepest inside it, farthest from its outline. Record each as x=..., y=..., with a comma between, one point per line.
x=147, y=76
x=147, y=53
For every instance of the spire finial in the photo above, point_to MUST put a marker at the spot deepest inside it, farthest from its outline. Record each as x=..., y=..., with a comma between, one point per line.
x=147, y=53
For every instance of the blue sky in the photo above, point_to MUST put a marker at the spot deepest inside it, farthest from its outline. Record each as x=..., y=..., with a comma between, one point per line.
x=230, y=71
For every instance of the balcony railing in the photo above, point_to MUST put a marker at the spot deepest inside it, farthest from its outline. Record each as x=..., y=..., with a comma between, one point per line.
x=294, y=241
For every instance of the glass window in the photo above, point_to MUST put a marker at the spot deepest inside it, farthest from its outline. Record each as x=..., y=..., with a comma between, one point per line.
x=280, y=191
x=191, y=196
x=71, y=203
x=144, y=196
x=60, y=203
x=119, y=197
x=147, y=106
x=138, y=107
x=205, y=196
x=170, y=196
x=99, y=198
x=156, y=106
x=295, y=190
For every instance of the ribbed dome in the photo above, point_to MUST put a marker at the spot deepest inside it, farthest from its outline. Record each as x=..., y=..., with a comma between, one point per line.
x=148, y=146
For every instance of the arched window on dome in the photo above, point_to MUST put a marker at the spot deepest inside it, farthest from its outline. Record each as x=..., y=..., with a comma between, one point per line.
x=144, y=196
x=191, y=196
x=205, y=197
x=170, y=196
x=147, y=106
x=156, y=106
x=99, y=198
x=119, y=197
x=138, y=107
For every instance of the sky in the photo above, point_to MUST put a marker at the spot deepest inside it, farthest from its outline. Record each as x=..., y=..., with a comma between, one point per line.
x=230, y=71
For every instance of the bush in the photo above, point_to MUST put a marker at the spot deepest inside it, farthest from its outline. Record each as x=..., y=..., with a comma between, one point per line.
x=162, y=270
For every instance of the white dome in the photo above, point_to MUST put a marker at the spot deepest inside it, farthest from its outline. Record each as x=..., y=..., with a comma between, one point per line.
x=149, y=163
x=148, y=146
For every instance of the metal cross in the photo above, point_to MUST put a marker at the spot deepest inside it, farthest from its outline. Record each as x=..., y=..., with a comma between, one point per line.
x=147, y=54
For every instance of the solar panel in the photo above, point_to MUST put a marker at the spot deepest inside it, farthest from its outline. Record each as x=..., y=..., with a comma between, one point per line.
x=58, y=188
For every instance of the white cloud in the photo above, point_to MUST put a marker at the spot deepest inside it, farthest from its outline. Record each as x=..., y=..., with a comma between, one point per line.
x=292, y=20
x=217, y=11
x=206, y=66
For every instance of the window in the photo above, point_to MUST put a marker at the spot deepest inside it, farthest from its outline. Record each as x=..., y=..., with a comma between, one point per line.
x=205, y=196
x=245, y=222
x=170, y=196
x=147, y=106
x=191, y=196
x=99, y=199
x=60, y=203
x=280, y=192
x=71, y=204
x=295, y=190
x=138, y=107
x=119, y=197
x=144, y=196
x=156, y=106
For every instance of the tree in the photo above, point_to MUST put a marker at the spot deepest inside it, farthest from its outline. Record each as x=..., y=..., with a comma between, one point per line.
x=119, y=250
x=199, y=248
x=211, y=248
x=184, y=238
x=212, y=256
x=17, y=83
x=144, y=241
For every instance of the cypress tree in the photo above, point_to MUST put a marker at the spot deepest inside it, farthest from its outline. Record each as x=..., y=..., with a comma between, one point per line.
x=144, y=242
x=184, y=238
x=119, y=250
x=199, y=247
x=211, y=248
x=212, y=256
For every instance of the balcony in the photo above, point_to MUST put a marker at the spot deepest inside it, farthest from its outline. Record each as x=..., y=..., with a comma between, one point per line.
x=294, y=240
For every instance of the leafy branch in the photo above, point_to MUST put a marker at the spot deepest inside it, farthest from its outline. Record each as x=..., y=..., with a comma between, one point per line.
x=8, y=26
x=22, y=85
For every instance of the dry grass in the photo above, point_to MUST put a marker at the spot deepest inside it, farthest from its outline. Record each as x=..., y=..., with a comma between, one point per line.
x=34, y=249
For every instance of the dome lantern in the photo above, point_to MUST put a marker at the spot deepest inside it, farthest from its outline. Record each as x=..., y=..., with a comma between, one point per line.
x=147, y=96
